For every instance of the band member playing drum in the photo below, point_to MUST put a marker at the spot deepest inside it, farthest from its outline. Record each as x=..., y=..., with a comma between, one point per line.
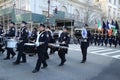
x=10, y=35
x=33, y=36
x=64, y=41
x=41, y=43
x=22, y=40
x=49, y=38
x=1, y=38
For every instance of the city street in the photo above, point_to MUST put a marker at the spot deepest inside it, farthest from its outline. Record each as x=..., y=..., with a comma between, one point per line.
x=103, y=63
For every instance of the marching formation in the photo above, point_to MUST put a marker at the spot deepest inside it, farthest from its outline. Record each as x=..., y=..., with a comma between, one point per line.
x=105, y=40
x=37, y=42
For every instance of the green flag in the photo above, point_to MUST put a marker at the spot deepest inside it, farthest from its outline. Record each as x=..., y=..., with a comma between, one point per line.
x=99, y=25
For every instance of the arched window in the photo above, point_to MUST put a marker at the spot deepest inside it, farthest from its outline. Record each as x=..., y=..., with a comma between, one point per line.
x=64, y=9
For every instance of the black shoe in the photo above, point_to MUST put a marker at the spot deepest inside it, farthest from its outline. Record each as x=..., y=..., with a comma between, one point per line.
x=16, y=63
x=22, y=61
x=13, y=56
x=34, y=71
x=6, y=58
x=61, y=64
x=64, y=61
x=83, y=61
x=44, y=67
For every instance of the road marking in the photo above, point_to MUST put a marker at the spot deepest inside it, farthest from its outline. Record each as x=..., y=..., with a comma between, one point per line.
x=110, y=52
x=116, y=56
x=92, y=49
x=100, y=51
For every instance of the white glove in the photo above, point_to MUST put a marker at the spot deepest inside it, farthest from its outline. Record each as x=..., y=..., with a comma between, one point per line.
x=37, y=44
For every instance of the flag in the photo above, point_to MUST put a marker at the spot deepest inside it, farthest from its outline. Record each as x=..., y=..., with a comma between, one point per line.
x=107, y=25
x=109, y=32
x=116, y=24
x=99, y=26
x=104, y=26
x=113, y=27
x=113, y=23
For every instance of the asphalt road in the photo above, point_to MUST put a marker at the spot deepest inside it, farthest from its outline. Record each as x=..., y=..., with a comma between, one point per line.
x=100, y=65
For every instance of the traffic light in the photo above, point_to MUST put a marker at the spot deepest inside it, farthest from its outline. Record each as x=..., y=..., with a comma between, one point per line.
x=56, y=10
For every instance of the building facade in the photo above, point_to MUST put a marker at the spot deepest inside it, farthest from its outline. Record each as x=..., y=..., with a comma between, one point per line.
x=69, y=12
x=110, y=9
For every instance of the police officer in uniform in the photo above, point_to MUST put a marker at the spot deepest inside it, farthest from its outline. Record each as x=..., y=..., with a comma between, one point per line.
x=33, y=36
x=95, y=38
x=41, y=48
x=10, y=34
x=84, y=44
x=1, y=34
x=64, y=40
x=49, y=38
x=23, y=39
x=110, y=40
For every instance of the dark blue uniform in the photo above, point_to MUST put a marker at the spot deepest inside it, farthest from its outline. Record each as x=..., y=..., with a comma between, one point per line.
x=106, y=40
x=95, y=38
x=41, y=50
x=64, y=37
x=10, y=34
x=23, y=39
x=110, y=40
x=1, y=31
x=33, y=36
x=54, y=39
x=1, y=40
x=84, y=46
x=49, y=38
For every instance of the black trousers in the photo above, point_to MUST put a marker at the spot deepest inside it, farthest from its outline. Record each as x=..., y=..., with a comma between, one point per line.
x=10, y=51
x=84, y=53
x=46, y=53
x=41, y=60
x=61, y=54
x=1, y=49
x=21, y=55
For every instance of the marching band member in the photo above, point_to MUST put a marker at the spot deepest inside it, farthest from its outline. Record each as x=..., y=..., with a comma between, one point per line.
x=23, y=39
x=64, y=40
x=84, y=44
x=33, y=35
x=41, y=48
x=1, y=34
x=49, y=37
x=10, y=34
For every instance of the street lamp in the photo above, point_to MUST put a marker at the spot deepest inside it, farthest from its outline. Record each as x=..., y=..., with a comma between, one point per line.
x=48, y=17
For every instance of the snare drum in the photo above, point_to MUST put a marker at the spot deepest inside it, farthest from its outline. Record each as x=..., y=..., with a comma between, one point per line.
x=11, y=43
x=30, y=48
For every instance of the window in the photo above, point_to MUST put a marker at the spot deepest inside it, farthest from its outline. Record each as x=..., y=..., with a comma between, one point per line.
x=45, y=13
x=109, y=12
x=119, y=2
x=110, y=1
x=96, y=0
x=114, y=2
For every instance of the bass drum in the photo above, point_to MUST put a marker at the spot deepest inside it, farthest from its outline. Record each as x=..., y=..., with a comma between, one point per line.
x=11, y=43
x=30, y=48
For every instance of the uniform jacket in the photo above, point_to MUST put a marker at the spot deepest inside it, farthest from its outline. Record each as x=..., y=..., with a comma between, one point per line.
x=11, y=32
